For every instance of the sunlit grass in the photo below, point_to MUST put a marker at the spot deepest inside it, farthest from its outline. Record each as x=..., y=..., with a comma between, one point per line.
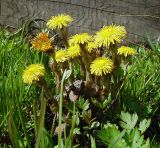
x=15, y=54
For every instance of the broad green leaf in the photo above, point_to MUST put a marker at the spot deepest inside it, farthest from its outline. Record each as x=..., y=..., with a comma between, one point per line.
x=111, y=136
x=138, y=140
x=144, y=124
x=118, y=141
x=128, y=121
x=147, y=144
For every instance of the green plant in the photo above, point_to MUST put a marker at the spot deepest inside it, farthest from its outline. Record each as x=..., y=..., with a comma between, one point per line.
x=131, y=136
x=92, y=93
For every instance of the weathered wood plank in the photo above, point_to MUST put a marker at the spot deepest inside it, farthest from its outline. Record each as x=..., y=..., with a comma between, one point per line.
x=140, y=17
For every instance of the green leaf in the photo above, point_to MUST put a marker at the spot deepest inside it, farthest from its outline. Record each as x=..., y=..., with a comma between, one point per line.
x=93, y=142
x=87, y=116
x=76, y=131
x=66, y=74
x=110, y=135
x=96, y=103
x=82, y=104
x=144, y=124
x=106, y=102
x=147, y=144
x=128, y=121
x=138, y=140
x=118, y=140
x=95, y=124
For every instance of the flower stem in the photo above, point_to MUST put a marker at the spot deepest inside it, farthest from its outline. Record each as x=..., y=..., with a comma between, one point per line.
x=60, y=115
x=63, y=32
x=42, y=117
x=56, y=72
x=86, y=61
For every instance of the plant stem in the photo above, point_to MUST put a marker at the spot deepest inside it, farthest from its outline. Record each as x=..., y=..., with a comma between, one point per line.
x=63, y=32
x=42, y=116
x=86, y=59
x=56, y=72
x=83, y=70
x=53, y=124
x=60, y=115
x=73, y=124
x=35, y=118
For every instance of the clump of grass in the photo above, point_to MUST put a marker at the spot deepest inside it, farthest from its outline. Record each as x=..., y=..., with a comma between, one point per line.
x=15, y=54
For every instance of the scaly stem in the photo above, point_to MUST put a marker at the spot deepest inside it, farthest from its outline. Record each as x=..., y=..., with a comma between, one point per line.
x=63, y=32
x=106, y=86
x=83, y=70
x=86, y=59
x=56, y=72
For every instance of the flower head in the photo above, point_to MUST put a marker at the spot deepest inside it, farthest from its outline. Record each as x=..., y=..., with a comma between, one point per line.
x=33, y=73
x=74, y=51
x=90, y=46
x=61, y=56
x=126, y=51
x=110, y=34
x=81, y=38
x=59, y=21
x=42, y=42
x=101, y=65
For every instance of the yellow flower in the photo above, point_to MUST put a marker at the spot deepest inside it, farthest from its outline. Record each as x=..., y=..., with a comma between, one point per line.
x=60, y=21
x=81, y=38
x=90, y=46
x=61, y=56
x=110, y=34
x=101, y=65
x=126, y=51
x=74, y=51
x=33, y=73
x=42, y=42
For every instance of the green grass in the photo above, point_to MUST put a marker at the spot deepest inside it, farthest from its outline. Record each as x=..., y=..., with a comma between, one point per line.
x=15, y=54
x=143, y=82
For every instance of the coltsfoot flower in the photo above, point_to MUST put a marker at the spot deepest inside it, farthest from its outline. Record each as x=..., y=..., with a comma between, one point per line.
x=126, y=51
x=61, y=56
x=91, y=46
x=59, y=21
x=42, y=42
x=81, y=38
x=74, y=51
x=110, y=34
x=33, y=73
x=101, y=65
